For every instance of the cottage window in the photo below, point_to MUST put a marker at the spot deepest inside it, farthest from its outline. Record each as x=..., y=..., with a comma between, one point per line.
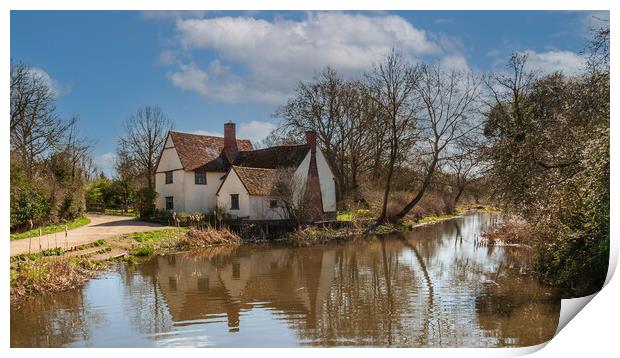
x=200, y=177
x=169, y=177
x=273, y=204
x=234, y=201
x=169, y=203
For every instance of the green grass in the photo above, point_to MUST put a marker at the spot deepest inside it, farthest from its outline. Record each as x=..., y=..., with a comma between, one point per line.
x=429, y=219
x=51, y=229
x=346, y=215
x=154, y=242
x=157, y=235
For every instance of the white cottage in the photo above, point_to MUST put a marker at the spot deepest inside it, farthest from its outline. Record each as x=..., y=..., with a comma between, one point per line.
x=197, y=173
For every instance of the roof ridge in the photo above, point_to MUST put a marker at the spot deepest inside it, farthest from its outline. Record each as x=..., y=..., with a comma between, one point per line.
x=276, y=146
x=205, y=135
x=243, y=167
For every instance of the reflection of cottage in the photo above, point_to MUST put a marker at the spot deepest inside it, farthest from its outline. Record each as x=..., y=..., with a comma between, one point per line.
x=196, y=288
x=197, y=173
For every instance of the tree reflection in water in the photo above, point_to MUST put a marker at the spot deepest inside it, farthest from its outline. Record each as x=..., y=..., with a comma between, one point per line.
x=431, y=287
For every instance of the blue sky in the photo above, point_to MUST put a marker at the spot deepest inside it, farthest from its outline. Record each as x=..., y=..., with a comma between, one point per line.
x=206, y=68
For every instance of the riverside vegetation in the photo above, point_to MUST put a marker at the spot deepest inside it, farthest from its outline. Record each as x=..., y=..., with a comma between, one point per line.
x=405, y=141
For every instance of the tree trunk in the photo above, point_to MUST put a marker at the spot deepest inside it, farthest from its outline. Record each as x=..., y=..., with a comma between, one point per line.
x=388, y=184
x=418, y=197
x=461, y=188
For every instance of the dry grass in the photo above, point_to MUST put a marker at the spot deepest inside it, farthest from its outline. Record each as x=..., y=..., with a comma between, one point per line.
x=49, y=274
x=209, y=237
x=432, y=203
x=510, y=231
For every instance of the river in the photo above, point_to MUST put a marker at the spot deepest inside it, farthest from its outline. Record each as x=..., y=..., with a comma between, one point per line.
x=432, y=287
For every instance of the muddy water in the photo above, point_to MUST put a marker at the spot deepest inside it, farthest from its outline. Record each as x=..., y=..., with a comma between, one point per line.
x=433, y=287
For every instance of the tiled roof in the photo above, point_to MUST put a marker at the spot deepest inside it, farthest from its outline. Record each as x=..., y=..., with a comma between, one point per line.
x=257, y=181
x=273, y=157
x=196, y=150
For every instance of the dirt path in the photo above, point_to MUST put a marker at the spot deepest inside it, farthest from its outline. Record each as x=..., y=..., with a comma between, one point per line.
x=100, y=227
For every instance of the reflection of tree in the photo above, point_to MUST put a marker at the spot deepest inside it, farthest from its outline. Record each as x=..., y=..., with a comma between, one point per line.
x=64, y=321
x=517, y=311
x=414, y=289
x=143, y=302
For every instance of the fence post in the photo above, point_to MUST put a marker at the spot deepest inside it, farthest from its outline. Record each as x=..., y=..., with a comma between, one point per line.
x=40, y=233
x=30, y=225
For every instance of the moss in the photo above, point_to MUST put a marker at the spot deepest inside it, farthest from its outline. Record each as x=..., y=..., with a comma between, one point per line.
x=51, y=229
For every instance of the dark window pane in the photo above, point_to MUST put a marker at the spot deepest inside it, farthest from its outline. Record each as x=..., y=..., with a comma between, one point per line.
x=273, y=204
x=234, y=201
x=200, y=177
x=169, y=203
x=169, y=177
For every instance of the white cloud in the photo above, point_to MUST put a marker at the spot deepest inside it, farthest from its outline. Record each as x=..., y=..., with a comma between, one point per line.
x=105, y=162
x=567, y=62
x=256, y=131
x=167, y=58
x=57, y=88
x=190, y=77
x=454, y=63
x=275, y=55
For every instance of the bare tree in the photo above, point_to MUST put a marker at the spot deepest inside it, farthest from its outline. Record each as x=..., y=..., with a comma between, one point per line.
x=144, y=139
x=465, y=165
x=289, y=189
x=449, y=106
x=35, y=128
x=318, y=106
x=392, y=85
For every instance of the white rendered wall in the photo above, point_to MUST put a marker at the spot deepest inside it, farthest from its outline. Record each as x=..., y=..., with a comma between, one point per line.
x=169, y=161
x=200, y=197
x=233, y=185
x=260, y=209
x=328, y=183
x=300, y=177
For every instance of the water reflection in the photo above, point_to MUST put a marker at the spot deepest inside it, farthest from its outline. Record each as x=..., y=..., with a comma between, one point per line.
x=432, y=287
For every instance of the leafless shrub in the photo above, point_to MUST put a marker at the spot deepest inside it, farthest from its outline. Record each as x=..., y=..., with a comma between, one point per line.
x=209, y=237
x=510, y=231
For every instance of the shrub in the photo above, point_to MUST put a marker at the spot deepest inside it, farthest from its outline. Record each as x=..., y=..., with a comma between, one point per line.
x=72, y=204
x=144, y=203
x=510, y=231
x=28, y=203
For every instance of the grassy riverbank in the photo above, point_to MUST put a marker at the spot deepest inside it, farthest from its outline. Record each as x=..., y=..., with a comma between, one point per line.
x=51, y=229
x=55, y=270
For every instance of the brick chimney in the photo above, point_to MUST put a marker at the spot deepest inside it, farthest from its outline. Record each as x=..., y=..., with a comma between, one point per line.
x=311, y=140
x=230, y=141
x=313, y=198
